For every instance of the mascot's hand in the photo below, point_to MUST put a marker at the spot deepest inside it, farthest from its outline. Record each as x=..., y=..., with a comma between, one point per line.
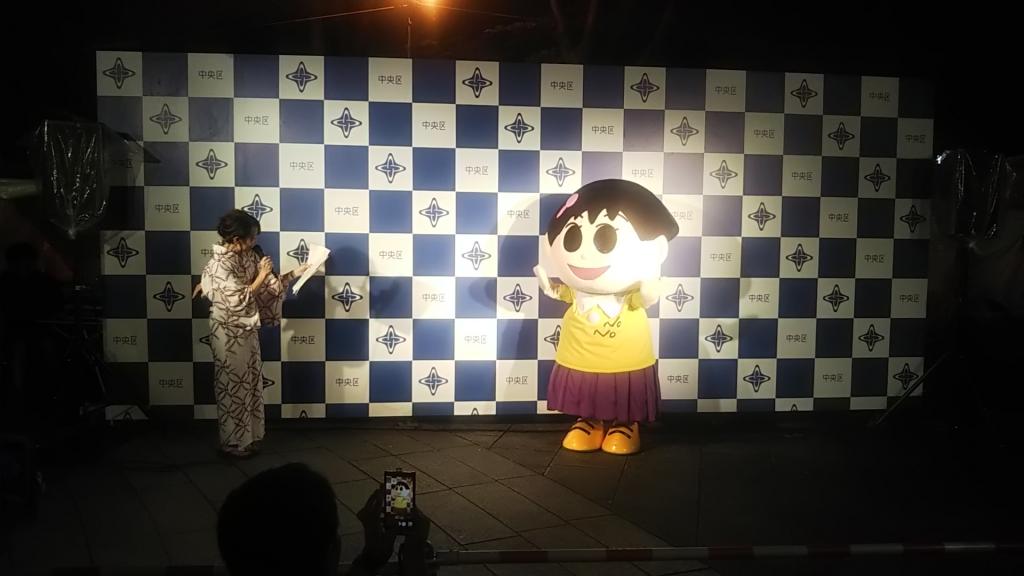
x=650, y=291
x=544, y=282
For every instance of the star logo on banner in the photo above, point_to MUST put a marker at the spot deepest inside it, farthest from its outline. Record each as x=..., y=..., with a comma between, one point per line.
x=346, y=122
x=560, y=171
x=165, y=119
x=118, y=73
x=434, y=212
x=257, y=209
x=433, y=381
x=645, y=87
x=912, y=219
x=719, y=338
x=169, y=296
x=679, y=297
x=477, y=82
x=211, y=164
x=841, y=135
x=906, y=376
x=835, y=298
x=476, y=255
x=762, y=216
x=347, y=297
x=799, y=257
x=756, y=378
x=877, y=177
x=389, y=168
x=300, y=252
x=871, y=338
x=519, y=128
x=391, y=339
x=804, y=93
x=301, y=76
x=724, y=174
x=517, y=297
x=684, y=131
x=554, y=337
x=122, y=252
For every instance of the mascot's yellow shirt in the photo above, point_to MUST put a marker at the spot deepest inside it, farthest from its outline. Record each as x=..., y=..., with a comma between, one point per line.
x=620, y=344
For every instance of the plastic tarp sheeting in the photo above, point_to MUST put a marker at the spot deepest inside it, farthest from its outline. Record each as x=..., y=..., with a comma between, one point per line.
x=76, y=163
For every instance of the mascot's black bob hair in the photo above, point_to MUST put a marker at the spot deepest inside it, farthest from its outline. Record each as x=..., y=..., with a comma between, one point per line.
x=639, y=205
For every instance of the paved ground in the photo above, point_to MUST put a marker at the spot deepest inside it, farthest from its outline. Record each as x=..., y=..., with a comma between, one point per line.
x=149, y=497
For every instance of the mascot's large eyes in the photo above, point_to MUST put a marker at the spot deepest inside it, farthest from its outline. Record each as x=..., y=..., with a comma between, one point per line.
x=573, y=238
x=605, y=238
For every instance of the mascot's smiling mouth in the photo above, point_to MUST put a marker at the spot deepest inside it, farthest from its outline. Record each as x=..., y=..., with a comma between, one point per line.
x=587, y=273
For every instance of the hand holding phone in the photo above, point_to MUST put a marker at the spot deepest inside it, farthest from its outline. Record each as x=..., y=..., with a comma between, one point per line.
x=378, y=542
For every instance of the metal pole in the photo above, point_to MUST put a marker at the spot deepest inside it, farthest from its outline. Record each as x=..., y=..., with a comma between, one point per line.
x=910, y=390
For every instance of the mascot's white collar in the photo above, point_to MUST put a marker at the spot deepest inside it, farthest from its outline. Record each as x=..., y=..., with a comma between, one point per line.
x=610, y=304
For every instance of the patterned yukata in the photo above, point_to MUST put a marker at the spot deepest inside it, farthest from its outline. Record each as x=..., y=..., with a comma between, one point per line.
x=236, y=314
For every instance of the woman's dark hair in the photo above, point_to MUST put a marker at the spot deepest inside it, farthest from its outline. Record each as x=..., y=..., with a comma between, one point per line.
x=640, y=206
x=237, y=224
x=281, y=521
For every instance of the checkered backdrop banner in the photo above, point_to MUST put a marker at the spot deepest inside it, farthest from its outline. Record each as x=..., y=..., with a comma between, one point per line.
x=797, y=282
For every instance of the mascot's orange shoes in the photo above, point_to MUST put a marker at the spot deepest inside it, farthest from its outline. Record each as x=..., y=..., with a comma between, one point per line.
x=622, y=440
x=584, y=436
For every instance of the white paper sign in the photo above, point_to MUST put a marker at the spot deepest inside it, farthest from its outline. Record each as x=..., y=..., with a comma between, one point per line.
x=316, y=258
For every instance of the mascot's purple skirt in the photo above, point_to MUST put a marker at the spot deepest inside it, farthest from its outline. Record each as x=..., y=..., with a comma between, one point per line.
x=622, y=396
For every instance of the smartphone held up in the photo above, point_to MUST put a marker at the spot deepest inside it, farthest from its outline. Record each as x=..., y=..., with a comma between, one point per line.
x=399, y=500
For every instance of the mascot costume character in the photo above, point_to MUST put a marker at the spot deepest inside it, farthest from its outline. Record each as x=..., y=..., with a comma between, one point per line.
x=606, y=244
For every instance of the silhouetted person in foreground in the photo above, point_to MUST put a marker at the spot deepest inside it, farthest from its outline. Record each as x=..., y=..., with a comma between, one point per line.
x=284, y=522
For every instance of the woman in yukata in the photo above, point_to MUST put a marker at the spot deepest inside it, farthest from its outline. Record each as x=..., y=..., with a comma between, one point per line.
x=607, y=244
x=245, y=294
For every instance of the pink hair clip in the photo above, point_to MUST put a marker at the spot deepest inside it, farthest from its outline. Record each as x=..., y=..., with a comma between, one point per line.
x=571, y=200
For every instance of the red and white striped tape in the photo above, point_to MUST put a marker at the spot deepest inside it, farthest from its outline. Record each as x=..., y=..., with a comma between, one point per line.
x=452, y=557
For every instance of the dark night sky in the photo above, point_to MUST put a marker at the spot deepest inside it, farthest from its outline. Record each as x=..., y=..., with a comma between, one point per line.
x=964, y=49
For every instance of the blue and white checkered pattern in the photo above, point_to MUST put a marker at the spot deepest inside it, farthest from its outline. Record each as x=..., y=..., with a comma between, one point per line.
x=798, y=280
